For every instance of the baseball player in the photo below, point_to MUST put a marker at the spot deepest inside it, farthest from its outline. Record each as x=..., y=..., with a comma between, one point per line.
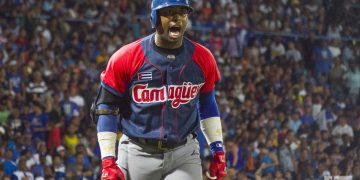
x=162, y=86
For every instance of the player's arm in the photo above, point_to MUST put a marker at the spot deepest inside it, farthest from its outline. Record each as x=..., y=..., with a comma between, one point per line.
x=104, y=112
x=211, y=127
x=120, y=69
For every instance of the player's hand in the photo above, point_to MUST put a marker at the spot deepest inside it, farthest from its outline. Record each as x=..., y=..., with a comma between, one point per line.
x=110, y=170
x=217, y=169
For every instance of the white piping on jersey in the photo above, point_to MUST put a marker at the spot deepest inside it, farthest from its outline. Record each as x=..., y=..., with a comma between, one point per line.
x=177, y=94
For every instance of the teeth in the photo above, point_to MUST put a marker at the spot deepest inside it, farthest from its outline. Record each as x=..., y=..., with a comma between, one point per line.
x=174, y=34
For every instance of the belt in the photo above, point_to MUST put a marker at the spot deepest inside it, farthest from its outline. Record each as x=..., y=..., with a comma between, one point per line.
x=157, y=144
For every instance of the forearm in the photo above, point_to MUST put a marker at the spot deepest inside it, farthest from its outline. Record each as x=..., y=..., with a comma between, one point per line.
x=258, y=174
x=212, y=130
x=106, y=132
x=210, y=121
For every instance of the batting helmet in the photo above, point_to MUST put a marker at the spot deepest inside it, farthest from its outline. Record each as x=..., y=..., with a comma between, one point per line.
x=159, y=4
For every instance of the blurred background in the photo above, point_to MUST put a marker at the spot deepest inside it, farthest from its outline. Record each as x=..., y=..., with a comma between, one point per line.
x=288, y=96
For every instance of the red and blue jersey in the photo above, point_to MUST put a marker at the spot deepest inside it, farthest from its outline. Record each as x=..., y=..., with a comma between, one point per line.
x=164, y=90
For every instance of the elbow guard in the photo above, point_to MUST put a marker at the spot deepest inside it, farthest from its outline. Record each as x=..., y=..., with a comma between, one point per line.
x=94, y=112
x=104, y=97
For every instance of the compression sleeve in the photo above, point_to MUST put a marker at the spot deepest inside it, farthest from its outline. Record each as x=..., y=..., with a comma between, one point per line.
x=207, y=105
x=107, y=129
x=210, y=121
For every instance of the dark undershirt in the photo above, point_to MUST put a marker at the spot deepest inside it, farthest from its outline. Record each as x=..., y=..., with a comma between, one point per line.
x=167, y=52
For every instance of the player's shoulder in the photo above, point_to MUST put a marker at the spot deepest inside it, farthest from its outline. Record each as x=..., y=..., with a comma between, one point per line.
x=199, y=48
x=128, y=51
x=129, y=48
x=201, y=53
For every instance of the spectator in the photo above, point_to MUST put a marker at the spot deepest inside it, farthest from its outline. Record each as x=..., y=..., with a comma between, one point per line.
x=292, y=53
x=90, y=144
x=15, y=121
x=342, y=128
x=334, y=171
x=36, y=87
x=286, y=158
x=277, y=49
x=78, y=170
x=335, y=48
x=336, y=75
x=38, y=122
x=5, y=87
x=38, y=170
x=307, y=118
x=78, y=99
x=80, y=148
x=295, y=122
x=55, y=125
x=69, y=109
x=233, y=44
x=71, y=139
x=348, y=53
x=4, y=112
x=269, y=161
x=352, y=81
x=23, y=172
x=322, y=170
x=272, y=22
x=235, y=155
x=2, y=173
x=42, y=151
x=29, y=157
x=61, y=151
x=15, y=78
x=336, y=157
x=322, y=60
x=326, y=117
x=8, y=164
x=59, y=167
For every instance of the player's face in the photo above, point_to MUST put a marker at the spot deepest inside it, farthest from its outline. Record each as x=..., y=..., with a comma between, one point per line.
x=172, y=26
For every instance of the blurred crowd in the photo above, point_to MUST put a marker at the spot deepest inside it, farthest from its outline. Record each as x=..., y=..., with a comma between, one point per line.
x=289, y=93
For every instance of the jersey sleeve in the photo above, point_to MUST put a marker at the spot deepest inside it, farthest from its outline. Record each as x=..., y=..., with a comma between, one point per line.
x=204, y=58
x=121, y=67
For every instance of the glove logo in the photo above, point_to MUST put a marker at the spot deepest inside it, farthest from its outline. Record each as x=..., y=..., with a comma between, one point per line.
x=177, y=94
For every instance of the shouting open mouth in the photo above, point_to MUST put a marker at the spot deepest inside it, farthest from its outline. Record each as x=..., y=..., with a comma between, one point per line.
x=175, y=32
